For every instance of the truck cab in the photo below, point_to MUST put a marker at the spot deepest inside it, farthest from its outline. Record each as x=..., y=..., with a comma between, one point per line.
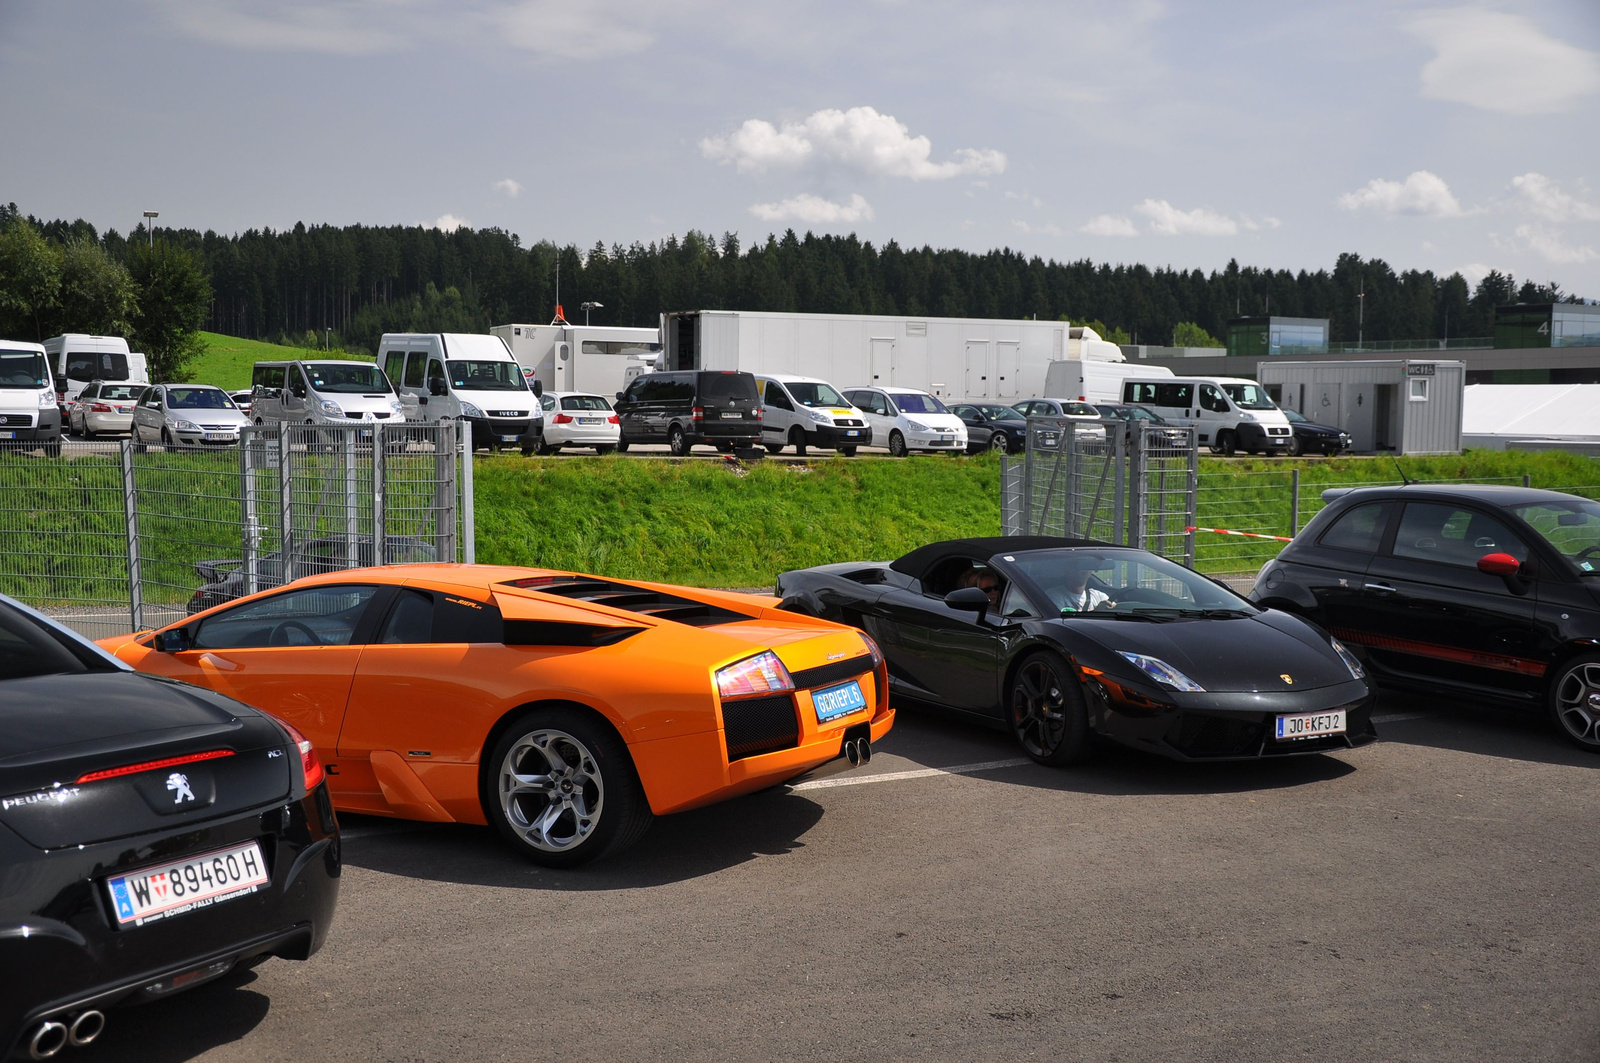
x=474, y=378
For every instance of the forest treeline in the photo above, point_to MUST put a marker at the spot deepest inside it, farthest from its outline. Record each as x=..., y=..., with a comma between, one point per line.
x=361, y=281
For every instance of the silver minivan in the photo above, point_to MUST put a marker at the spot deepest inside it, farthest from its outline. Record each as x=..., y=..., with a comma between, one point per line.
x=325, y=393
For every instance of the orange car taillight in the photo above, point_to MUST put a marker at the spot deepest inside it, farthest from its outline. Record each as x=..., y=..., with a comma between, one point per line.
x=761, y=674
x=153, y=765
x=310, y=766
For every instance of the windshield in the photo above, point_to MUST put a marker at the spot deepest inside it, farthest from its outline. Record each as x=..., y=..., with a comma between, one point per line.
x=1116, y=582
x=1573, y=528
x=1295, y=416
x=120, y=392
x=341, y=379
x=816, y=395
x=1001, y=413
x=22, y=369
x=198, y=399
x=917, y=402
x=486, y=376
x=1249, y=397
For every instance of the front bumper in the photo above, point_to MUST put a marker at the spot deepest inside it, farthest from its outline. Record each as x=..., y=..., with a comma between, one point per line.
x=1257, y=437
x=45, y=427
x=937, y=441
x=215, y=437
x=503, y=432
x=60, y=952
x=830, y=436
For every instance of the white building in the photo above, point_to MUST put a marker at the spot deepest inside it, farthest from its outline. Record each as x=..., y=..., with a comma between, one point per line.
x=1532, y=417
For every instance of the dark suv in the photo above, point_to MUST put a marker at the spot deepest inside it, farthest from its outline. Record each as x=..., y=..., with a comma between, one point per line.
x=681, y=409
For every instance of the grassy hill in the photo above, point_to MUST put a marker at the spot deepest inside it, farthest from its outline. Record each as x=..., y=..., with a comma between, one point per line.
x=228, y=359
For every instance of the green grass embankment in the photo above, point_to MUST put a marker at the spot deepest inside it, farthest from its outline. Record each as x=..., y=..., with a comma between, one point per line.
x=228, y=359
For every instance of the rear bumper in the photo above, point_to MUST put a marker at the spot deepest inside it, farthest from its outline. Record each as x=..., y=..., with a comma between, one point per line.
x=60, y=951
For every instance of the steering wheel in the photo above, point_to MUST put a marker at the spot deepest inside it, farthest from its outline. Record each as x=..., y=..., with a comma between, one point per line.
x=1586, y=552
x=280, y=634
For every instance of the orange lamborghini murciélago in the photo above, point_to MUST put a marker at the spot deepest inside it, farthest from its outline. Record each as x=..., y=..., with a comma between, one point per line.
x=564, y=709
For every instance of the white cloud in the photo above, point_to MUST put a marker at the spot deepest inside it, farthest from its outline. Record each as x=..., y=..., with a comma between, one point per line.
x=1267, y=222
x=1109, y=225
x=448, y=223
x=559, y=29
x=814, y=210
x=1424, y=194
x=1167, y=220
x=861, y=139
x=1024, y=197
x=509, y=187
x=1549, y=245
x=1502, y=62
x=1537, y=194
x=1026, y=229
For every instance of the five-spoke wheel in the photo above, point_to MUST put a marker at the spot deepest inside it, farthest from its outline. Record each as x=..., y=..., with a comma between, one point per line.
x=1047, y=711
x=1575, y=701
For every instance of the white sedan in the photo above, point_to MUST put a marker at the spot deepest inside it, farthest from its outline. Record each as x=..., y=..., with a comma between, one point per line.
x=578, y=419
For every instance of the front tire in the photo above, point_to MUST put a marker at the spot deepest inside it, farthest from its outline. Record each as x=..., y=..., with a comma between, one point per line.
x=897, y=444
x=1295, y=450
x=1227, y=443
x=798, y=439
x=1047, y=712
x=997, y=443
x=677, y=442
x=1574, y=699
x=562, y=790
x=848, y=452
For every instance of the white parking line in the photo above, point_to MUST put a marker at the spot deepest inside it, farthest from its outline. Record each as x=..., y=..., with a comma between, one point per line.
x=920, y=773
x=1398, y=716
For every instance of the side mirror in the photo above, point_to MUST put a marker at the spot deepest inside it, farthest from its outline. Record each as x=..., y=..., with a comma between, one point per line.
x=538, y=389
x=175, y=641
x=619, y=396
x=968, y=600
x=1498, y=565
x=437, y=387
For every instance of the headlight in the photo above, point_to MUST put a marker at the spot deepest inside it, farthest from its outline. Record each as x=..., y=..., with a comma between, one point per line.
x=185, y=426
x=47, y=399
x=1348, y=658
x=915, y=427
x=1161, y=672
x=331, y=408
x=469, y=410
x=819, y=417
x=1247, y=417
x=761, y=674
x=395, y=407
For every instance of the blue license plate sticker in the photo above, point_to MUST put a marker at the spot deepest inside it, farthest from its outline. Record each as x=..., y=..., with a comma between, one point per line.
x=842, y=700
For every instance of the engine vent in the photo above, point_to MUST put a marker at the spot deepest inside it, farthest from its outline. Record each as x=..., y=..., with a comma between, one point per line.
x=639, y=600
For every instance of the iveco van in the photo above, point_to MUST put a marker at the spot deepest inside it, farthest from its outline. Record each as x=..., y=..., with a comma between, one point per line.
x=801, y=411
x=1228, y=413
x=447, y=375
x=28, y=411
x=324, y=393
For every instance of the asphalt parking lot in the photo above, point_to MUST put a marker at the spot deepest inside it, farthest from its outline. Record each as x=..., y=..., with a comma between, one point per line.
x=1429, y=897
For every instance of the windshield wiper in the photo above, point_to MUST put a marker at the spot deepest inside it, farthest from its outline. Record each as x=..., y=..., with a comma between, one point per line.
x=1151, y=616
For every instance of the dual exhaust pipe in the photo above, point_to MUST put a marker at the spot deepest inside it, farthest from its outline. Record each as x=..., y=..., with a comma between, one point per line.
x=857, y=751
x=52, y=1035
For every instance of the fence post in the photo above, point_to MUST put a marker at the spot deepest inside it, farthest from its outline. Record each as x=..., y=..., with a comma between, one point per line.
x=250, y=534
x=444, y=501
x=1527, y=480
x=285, y=504
x=469, y=534
x=1294, y=502
x=380, y=515
x=1192, y=501
x=130, y=512
x=352, y=500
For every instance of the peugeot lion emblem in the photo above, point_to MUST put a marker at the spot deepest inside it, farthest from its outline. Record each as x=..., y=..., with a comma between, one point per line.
x=180, y=782
x=1287, y=678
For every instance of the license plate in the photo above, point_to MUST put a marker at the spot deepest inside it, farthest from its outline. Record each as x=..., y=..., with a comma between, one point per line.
x=588, y=420
x=841, y=700
x=508, y=439
x=852, y=433
x=8, y=435
x=947, y=439
x=733, y=415
x=218, y=437
x=185, y=885
x=1311, y=724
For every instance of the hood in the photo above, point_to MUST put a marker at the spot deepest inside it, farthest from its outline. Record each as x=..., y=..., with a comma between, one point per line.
x=21, y=400
x=521, y=401
x=365, y=403
x=1207, y=651
x=944, y=422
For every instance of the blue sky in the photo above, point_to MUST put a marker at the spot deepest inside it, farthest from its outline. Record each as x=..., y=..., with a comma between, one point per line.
x=1456, y=137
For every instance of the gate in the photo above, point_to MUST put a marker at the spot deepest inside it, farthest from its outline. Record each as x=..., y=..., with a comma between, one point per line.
x=1127, y=483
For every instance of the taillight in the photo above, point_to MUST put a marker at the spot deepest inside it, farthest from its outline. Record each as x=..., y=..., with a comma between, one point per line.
x=757, y=412
x=872, y=648
x=561, y=418
x=699, y=413
x=761, y=674
x=153, y=765
x=613, y=419
x=100, y=407
x=310, y=766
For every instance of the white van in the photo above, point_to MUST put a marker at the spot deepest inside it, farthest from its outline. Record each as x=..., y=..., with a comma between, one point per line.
x=802, y=411
x=441, y=375
x=28, y=411
x=1094, y=381
x=1228, y=413
x=321, y=392
x=77, y=360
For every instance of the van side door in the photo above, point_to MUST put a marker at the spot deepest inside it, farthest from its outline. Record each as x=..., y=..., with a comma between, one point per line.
x=296, y=395
x=442, y=404
x=779, y=413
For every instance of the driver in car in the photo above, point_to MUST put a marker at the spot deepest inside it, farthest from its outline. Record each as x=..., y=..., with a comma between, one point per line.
x=1080, y=597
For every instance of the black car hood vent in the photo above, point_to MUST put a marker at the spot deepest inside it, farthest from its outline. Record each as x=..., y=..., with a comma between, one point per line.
x=639, y=600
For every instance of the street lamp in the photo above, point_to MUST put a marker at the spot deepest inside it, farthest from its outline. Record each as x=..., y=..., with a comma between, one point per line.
x=586, y=307
x=150, y=217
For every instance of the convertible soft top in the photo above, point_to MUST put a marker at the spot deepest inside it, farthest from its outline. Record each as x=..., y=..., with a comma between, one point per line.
x=919, y=561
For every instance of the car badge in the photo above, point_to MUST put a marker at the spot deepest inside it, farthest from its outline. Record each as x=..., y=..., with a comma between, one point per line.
x=179, y=782
x=841, y=655
x=1287, y=678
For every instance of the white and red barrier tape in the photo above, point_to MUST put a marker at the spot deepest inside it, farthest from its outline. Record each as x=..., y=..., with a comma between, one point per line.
x=1251, y=535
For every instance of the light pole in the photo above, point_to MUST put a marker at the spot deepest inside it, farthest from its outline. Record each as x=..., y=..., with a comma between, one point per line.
x=150, y=217
x=586, y=307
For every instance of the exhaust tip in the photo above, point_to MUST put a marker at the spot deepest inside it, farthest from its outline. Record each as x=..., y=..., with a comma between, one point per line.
x=852, y=753
x=86, y=1027
x=48, y=1039
x=865, y=747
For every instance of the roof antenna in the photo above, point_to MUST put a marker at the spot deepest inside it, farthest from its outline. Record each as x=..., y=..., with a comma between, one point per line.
x=1405, y=481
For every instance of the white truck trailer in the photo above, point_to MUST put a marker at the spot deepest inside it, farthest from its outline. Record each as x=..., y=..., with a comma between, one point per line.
x=597, y=359
x=954, y=358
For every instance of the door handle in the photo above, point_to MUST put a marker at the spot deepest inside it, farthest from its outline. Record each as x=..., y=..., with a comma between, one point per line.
x=218, y=663
x=1380, y=588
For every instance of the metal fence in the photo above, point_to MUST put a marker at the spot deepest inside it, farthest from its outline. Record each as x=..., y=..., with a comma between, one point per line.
x=113, y=535
x=1127, y=483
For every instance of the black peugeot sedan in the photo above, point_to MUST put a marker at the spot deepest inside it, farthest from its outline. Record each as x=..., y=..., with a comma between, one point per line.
x=153, y=836
x=1481, y=591
x=1311, y=438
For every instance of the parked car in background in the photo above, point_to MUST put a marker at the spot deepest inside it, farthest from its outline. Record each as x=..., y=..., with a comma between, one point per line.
x=440, y=376
x=76, y=360
x=322, y=393
x=153, y=836
x=904, y=420
x=1059, y=412
x=719, y=408
x=1228, y=413
x=578, y=419
x=226, y=578
x=992, y=427
x=186, y=415
x=1312, y=438
x=1169, y=434
x=564, y=710
x=103, y=407
x=1480, y=591
x=802, y=411
x=29, y=415
x=243, y=400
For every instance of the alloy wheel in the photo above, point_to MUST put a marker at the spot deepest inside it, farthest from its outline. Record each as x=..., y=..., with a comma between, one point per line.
x=1577, y=703
x=1038, y=709
x=551, y=790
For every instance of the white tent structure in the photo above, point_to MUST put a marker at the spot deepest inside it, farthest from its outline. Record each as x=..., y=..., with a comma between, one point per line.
x=1532, y=417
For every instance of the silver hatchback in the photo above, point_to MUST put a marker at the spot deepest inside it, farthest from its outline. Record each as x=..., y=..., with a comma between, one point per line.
x=190, y=415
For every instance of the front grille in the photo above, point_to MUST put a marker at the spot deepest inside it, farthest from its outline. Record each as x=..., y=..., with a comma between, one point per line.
x=828, y=674
x=941, y=442
x=850, y=422
x=1277, y=431
x=16, y=420
x=508, y=413
x=760, y=725
x=1196, y=735
x=220, y=427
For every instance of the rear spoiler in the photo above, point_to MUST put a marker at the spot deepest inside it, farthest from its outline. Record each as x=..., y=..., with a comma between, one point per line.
x=210, y=571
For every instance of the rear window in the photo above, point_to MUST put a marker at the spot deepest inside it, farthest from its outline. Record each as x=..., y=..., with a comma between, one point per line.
x=717, y=388
x=1360, y=529
x=122, y=392
x=22, y=369
x=84, y=366
x=584, y=402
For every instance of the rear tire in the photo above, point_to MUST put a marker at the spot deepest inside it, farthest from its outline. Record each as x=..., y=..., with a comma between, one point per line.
x=603, y=449
x=561, y=789
x=622, y=445
x=1046, y=710
x=897, y=444
x=1227, y=443
x=848, y=452
x=773, y=448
